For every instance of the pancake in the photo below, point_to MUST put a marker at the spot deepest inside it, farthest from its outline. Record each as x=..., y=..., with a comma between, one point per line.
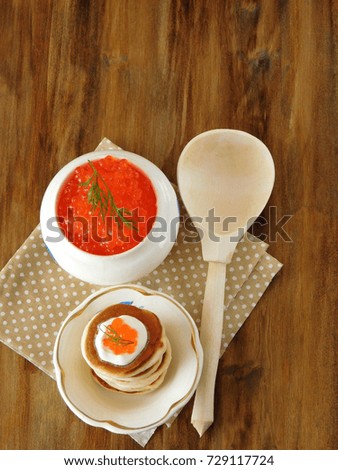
x=127, y=349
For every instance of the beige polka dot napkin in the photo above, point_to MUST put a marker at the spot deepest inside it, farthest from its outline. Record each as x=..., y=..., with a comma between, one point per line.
x=36, y=295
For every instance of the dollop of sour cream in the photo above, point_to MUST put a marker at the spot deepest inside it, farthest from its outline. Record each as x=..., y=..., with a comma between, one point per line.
x=120, y=359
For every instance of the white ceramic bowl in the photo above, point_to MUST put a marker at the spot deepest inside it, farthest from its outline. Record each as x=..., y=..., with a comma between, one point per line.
x=117, y=412
x=124, y=267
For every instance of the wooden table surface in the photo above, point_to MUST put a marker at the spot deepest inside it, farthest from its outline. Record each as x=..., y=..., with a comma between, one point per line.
x=150, y=75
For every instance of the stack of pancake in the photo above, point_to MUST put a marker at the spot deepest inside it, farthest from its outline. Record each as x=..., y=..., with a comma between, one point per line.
x=127, y=349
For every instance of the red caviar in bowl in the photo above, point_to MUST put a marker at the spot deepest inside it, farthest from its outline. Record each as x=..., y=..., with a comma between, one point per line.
x=107, y=234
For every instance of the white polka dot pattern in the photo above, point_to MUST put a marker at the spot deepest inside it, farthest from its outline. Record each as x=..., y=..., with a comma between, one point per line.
x=36, y=294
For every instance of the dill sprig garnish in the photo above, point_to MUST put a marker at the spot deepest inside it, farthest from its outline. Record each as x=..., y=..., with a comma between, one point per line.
x=115, y=337
x=103, y=200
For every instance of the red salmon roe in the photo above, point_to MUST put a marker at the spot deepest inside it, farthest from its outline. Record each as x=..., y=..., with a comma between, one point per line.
x=85, y=228
x=120, y=337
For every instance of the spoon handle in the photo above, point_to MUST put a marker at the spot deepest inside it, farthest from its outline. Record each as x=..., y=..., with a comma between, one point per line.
x=210, y=335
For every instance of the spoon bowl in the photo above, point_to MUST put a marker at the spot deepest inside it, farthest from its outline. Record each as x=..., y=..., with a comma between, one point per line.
x=225, y=178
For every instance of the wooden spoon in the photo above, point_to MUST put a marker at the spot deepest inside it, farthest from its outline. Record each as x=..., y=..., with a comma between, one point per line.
x=225, y=178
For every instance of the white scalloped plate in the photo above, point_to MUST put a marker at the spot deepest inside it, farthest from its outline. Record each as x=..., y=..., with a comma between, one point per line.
x=114, y=411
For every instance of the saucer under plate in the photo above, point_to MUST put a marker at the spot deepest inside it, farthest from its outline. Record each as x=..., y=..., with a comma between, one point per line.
x=115, y=411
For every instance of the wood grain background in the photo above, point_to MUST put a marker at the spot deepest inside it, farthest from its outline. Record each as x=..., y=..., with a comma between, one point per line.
x=150, y=75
